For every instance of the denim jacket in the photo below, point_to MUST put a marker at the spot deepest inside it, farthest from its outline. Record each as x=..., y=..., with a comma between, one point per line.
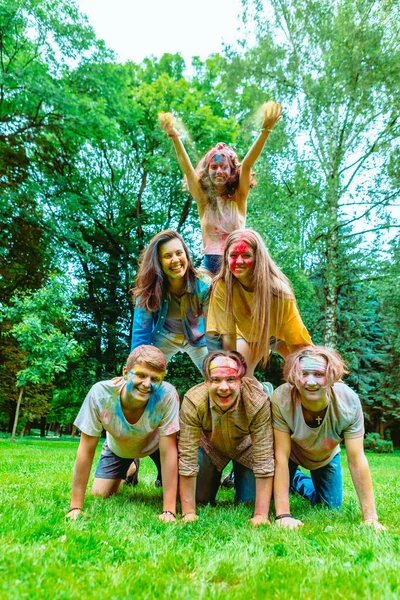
x=194, y=305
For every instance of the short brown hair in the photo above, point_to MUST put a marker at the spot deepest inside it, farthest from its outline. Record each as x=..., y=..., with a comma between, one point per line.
x=149, y=356
x=236, y=356
x=335, y=365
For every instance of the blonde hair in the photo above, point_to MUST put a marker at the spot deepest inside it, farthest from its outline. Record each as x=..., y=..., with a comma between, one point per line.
x=335, y=365
x=269, y=281
x=148, y=356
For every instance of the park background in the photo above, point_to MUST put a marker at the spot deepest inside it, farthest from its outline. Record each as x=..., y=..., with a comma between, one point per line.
x=87, y=178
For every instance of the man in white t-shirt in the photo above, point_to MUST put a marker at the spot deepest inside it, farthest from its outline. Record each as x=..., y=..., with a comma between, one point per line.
x=312, y=414
x=140, y=413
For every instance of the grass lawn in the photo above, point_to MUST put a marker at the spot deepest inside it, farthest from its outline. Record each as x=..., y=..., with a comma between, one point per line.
x=120, y=550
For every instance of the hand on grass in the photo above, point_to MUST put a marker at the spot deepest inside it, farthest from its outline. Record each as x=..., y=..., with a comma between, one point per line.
x=74, y=513
x=258, y=520
x=167, y=517
x=272, y=114
x=189, y=518
x=374, y=523
x=289, y=523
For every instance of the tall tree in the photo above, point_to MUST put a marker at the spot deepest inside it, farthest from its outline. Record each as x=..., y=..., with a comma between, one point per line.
x=336, y=65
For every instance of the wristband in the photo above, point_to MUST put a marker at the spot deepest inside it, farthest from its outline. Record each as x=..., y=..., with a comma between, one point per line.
x=283, y=516
x=173, y=135
x=266, y=129
x=75, y=508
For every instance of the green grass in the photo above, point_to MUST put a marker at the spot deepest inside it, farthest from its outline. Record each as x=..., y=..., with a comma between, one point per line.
x=120, y=550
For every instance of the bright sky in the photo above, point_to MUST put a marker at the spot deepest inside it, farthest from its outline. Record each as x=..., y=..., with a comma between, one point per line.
x=135, y=29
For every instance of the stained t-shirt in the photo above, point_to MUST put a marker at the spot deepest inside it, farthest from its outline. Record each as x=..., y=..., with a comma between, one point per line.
x=217, y=222
x=102, y=410
x=315, y=447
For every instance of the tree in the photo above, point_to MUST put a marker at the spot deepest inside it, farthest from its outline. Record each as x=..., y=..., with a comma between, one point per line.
x=37, y=321
x=336, y=64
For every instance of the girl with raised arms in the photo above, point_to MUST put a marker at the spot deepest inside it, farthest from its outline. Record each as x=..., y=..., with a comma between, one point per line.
x=252, y=301
x=220, y=184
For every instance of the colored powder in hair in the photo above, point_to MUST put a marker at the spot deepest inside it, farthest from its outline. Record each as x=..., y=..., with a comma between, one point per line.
x=224, y=362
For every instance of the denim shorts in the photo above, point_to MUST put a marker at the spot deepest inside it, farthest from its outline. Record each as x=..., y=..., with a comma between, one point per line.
x=111, y=466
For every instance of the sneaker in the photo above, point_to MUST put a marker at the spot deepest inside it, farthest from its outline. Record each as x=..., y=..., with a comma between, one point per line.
x=132, y=474
x=228, y=481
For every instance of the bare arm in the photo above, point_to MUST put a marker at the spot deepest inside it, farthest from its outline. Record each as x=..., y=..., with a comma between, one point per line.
x=169, y=472
x=272, y=114
x=264, y=487
x=361, y=476
x=167, y=122
x=281, y=480
x=83, y=464
x=187, y=488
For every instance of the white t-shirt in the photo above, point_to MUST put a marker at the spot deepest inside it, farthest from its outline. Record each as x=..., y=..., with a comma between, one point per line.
x=102, y=410
x=314, y=447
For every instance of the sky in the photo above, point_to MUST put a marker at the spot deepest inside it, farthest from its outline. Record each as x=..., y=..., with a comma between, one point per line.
x=135, y=29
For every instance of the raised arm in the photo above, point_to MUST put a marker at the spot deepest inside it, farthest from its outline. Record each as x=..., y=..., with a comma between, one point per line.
x=361, y=476
x=272, y=114
x=83, y=464
x=168, y=123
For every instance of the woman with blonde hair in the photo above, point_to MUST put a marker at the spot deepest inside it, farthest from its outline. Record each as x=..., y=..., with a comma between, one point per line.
x=252, y=302
x=220, y=184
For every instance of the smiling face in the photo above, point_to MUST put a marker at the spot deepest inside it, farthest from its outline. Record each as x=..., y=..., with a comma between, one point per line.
x=142, y=382
x=173, y=259
x=241, y=260
x=219, y=170
x=313, y=385
x=224, y=382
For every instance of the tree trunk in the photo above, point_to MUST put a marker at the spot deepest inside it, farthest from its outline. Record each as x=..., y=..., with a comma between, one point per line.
x=17, y=414
x=42, y=427
x=332, y=266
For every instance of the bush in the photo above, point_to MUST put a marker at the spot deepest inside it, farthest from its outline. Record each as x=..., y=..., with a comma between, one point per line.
x=374, y=443
x=384, y=447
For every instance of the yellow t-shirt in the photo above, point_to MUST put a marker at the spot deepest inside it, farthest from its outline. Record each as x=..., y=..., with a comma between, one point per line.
x=291, y=329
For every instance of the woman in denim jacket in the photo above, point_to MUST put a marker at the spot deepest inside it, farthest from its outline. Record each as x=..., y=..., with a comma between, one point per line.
x=171, y=299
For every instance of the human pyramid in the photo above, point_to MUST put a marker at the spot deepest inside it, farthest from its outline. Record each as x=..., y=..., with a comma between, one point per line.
x=227, y=325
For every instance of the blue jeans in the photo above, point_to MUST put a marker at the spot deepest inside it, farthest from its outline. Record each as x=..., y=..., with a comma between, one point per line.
x=172, y=343
x=322, y=486
x=209, y=478
x=212, y=262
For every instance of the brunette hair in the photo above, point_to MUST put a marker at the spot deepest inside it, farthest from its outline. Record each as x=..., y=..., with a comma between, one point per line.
x=236, y=356
x=149, y=356
x=233, y=181
x=335, y=365
x=269, y=281
x=151, y=281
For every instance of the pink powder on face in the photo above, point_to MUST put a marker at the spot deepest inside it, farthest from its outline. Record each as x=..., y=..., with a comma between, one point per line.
x=224, y=362
x=240, y=248
x=241, y=256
